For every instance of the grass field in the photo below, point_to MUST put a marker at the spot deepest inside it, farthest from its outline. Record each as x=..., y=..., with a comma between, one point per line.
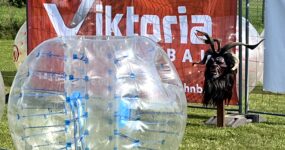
x=255, y=14
x=261, y=136
x=11, y=20
x=8, y=71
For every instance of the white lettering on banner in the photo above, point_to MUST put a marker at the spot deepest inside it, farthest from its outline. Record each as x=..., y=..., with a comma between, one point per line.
x=60, y=28
x=202, y=54
x=111, y=26
x=99, y=20
x=171, y=54
x=183, y=24
x=154, y=20
x=167, y=21
x=131, y=19
x=204, y=19
x=187, y=56
x=192, y=89
x=82, y=12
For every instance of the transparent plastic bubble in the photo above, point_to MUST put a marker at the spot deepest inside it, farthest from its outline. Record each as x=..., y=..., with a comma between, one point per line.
x=20, y=46
x=260, y=65
x=253, y=58
x=102, y=93
x=2, y=95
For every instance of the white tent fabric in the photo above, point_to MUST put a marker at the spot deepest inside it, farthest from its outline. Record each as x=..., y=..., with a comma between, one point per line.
x=274, y=58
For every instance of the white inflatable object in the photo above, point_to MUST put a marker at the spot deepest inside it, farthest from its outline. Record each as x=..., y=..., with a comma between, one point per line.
x=20, y=46
x=2, y=95
x=260, y=65
x=254, y=55
x=97, y=93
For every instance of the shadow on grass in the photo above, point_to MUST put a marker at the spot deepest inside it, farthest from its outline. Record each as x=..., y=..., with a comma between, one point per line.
x=195, y=124
x=274, y=123
x=200, y=125
x=195, y=116
x=259, y=90
x=8, y=77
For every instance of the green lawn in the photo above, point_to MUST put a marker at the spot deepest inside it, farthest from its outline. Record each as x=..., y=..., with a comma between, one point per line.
x=8, y=71
x=5, y=137
x=254, y=136
x=11, y=19
x=7, y=66
x=255, y=14
x=268, y=135
x=266, y=101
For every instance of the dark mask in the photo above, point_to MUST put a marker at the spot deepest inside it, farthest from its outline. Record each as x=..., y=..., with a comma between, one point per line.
x=217, y=66
x=220, y=70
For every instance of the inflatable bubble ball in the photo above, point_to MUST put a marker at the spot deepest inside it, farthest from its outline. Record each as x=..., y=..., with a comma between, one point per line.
x=254, y=56
x=105, y=93
x=20, y=46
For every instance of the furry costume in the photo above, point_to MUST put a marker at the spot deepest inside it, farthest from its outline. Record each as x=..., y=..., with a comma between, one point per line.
x=220, y=71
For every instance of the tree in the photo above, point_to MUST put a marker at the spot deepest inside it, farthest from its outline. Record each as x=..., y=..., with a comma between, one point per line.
x=18, y=3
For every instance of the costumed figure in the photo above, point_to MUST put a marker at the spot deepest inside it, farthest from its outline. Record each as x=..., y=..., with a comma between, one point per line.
x=221, y=67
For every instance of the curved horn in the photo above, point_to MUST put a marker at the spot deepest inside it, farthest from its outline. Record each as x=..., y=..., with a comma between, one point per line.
x=208, y=40
x=218, y=41
x=234, y=44
x=205, y=58
x=236, y=62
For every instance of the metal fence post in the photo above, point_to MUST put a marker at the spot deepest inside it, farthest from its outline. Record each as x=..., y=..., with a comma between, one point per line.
x=27, y=16
x=240, y=57
x=246, y=57
x=263, y=8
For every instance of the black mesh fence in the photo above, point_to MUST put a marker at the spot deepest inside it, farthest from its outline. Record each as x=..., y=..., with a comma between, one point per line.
x=259, y=100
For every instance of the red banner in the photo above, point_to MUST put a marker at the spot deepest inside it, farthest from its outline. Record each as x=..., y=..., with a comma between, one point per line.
x=170, y=23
